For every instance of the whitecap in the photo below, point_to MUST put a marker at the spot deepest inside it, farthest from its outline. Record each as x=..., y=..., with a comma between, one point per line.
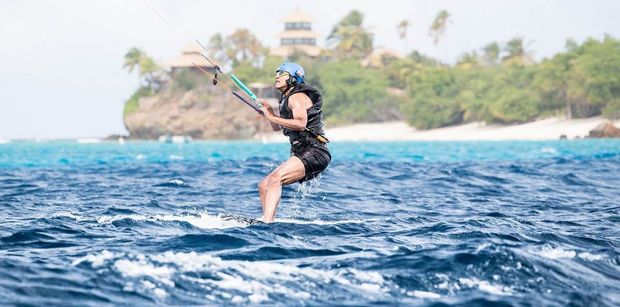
x=481, y=247
x=485, y=286
x=129, y=268
x=96, y=260
x=549, y=150
x=113, y=218
x=159, y=292
x=69, y=215
x=176, y=181
x=4, y=141
x=590, y=257
x=556, y=253
x=423, y=294
x=219, y=221
x=89, y=141
x=319, y=222
x=247, y=281
x=202, y=220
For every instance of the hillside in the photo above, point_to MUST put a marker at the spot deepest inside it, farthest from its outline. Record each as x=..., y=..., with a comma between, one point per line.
x=201, y=113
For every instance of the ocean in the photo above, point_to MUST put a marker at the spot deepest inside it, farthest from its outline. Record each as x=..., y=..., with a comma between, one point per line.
x=394, y=223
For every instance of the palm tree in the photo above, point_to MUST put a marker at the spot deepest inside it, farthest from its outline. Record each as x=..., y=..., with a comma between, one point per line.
x=571, y=45
x=469, y=60
x=402, y=29
x=491, y=53
x=242, y=45
x=148, y=71
x=402, y=32
x=353, y=19
x=517, y=52
x=438, y=28
x=349, y=38
x=216, y=48
x=132, y=59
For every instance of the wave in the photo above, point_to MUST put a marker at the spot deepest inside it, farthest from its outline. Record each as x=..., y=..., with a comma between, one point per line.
x=88, y=141
x=556, y=253
x=237, y=281
x=207, y=221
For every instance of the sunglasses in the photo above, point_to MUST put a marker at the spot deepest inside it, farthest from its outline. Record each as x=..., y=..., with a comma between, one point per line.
x=281, y=73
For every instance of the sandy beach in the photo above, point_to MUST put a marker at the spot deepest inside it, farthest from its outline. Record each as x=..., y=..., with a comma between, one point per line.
x=545, y=129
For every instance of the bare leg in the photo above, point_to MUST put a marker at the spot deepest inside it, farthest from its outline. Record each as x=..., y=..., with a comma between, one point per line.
x=290, y=171
x=262, y=191
x=263, y=187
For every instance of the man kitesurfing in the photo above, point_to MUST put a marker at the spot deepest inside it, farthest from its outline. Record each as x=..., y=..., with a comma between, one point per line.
x=301, y=119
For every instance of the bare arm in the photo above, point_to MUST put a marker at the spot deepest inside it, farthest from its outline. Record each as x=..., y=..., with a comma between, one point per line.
x=298, y=103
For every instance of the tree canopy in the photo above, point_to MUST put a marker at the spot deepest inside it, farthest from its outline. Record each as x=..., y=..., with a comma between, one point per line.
x=497, y=83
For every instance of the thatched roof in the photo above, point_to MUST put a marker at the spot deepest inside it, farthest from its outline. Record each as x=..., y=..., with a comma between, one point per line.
x=190, y=54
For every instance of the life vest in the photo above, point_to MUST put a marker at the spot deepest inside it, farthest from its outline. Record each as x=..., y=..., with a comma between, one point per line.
x=315, y=115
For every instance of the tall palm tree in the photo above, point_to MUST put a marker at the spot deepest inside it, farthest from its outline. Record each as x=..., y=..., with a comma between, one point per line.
x=217, y=49
x=349, y=38
x=148, y=70
x=402, y=33
x=469, y=60
x=132, y=59
x=491, y=53
x=353, y=19
x=402, y=29
x=438, y=28
x=242, y=45
x=517, y=52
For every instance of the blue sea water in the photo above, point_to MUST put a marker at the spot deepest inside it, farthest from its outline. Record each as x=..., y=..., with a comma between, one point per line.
x=410, y=223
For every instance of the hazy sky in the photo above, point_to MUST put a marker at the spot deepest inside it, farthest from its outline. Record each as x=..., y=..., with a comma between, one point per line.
x=61, y=61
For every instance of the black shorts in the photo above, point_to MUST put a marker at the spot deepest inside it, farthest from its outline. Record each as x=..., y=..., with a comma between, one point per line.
x=314, y=157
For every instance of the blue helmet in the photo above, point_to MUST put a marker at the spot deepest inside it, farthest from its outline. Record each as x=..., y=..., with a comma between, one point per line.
x=295, y=70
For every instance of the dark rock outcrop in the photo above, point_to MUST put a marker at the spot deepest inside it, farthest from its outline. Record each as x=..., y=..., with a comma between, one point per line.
x=605, y=130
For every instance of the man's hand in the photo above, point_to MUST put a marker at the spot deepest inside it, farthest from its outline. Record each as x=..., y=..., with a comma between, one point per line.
x=266, y=108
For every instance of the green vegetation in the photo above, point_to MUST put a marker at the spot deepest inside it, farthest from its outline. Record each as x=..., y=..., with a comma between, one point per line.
x=349, y=39
x=581, y=82
x=499, y=83
x=353, y=93
x=131, y=105
x=186, y=80
x=150, y=74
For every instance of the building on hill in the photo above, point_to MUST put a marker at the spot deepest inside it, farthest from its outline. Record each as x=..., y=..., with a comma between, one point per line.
x=297, y=36
x=190, y=54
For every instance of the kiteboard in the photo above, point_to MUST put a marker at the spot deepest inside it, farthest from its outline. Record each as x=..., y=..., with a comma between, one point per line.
x=240, y=219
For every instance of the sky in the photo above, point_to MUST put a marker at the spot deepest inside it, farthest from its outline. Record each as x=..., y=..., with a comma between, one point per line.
x=61, y=72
